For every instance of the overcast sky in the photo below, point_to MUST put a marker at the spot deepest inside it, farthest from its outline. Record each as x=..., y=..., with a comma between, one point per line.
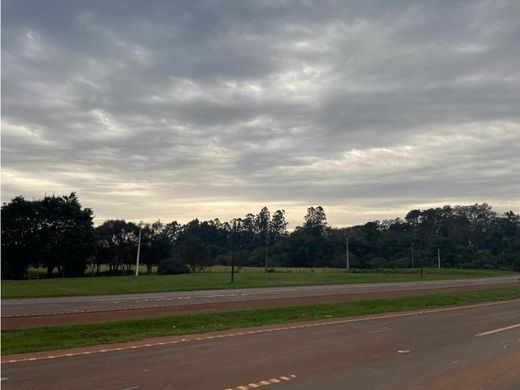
x=184, y=109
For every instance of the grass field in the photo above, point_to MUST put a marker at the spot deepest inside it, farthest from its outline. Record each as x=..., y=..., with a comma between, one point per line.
x=219, y=278
x=60, y=337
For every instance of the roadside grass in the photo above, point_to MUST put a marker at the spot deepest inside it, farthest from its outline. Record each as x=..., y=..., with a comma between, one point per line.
x=219, y=278
x=70, y=336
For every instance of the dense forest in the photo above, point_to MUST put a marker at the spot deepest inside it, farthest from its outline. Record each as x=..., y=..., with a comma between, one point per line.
x=58, y=234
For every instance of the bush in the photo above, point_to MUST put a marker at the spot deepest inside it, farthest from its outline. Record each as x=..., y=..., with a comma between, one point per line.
x=402, y=263
x=379, y=262
x=173, y=266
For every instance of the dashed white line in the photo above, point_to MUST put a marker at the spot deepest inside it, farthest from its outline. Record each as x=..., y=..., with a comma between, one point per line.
x=498, y=330
x=266, y=382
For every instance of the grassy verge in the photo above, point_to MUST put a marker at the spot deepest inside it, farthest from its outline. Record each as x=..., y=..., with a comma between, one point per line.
x=60, y=337
x=247, y=277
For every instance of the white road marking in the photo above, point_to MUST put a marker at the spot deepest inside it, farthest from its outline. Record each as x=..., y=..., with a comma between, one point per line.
x=498, y=330
x=403, y=351
x=263, y=383
x=383, y=329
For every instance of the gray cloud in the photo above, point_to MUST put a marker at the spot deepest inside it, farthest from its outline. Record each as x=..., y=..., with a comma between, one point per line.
x=184, y=109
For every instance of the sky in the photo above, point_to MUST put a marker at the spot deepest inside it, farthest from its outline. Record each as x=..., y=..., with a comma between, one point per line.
x=174, y=110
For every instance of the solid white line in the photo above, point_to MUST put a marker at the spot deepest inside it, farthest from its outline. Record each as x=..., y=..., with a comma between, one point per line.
x=498, y=330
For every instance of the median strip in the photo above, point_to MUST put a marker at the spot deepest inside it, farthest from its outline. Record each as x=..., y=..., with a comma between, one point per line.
x=72, y=336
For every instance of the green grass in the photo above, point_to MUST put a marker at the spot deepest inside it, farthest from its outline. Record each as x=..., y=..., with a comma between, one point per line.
x=60, y=337
x=218, y=279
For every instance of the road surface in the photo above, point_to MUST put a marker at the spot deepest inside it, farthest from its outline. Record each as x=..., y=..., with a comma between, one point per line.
x=81, y=304
x=474, y=347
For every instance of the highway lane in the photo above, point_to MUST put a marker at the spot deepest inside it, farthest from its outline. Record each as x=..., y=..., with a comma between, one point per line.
x=100, y=303
x=464, y=348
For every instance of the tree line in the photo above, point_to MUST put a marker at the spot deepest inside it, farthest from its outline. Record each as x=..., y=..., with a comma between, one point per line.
x=57, y=233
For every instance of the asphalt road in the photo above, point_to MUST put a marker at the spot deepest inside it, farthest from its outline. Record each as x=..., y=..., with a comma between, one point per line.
x=452, y=348
x=100, y=303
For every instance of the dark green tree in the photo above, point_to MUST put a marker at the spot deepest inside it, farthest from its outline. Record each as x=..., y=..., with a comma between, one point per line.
x=19, y=237
x=55, y=232
x=117, y=245
x=315, y=221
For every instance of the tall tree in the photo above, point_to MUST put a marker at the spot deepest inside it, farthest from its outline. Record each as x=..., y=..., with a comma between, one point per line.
x=19, y=237
x=56, y=232
x=117, y=244
x=315, y=220
x=263, y=221
x=278, y=225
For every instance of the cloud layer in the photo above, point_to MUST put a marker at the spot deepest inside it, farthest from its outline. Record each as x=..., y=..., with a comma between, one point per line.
x=176, y=110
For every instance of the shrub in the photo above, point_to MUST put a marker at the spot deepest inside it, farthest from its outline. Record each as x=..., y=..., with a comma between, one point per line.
x=172, y=266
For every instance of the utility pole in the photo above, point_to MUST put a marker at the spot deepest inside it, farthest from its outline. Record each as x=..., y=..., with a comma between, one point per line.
x=439, y=258
x=138, y=251
x=233, y=252
x=347, y=254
